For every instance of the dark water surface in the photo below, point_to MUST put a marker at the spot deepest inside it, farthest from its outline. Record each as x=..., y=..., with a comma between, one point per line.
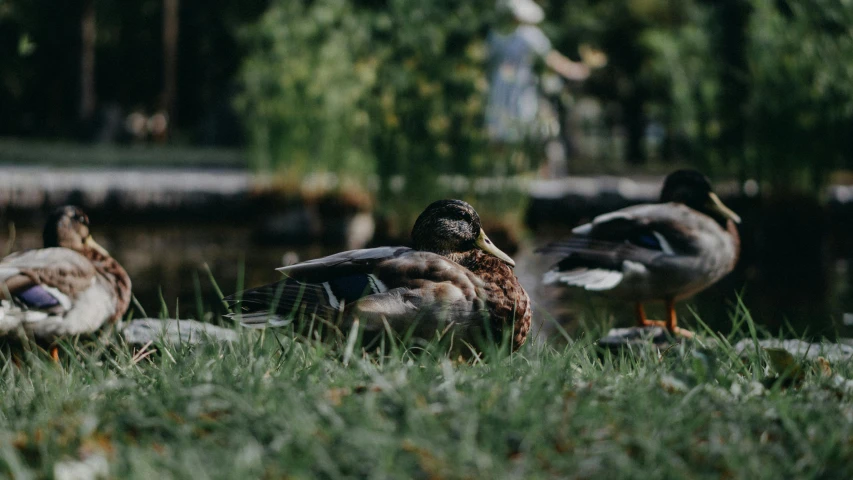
x=795, y=288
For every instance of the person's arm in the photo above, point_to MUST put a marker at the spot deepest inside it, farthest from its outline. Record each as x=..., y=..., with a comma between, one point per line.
x=566, y=67
x=555, y=60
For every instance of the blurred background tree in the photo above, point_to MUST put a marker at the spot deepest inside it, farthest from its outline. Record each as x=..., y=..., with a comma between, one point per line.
x=363, y=87
x=41, y=45
x=799, y=111
x=759, y=88
x=385, y=88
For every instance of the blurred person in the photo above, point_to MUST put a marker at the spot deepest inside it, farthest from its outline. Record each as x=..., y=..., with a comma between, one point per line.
x=158, y=127
x=515, y=114
x=136, y=125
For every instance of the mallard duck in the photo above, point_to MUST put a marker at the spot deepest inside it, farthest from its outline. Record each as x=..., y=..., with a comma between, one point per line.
x=71, y=286
x=665, y=251
x=453, y=281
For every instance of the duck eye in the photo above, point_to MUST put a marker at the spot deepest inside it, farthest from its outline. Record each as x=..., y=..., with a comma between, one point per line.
x=462, y=215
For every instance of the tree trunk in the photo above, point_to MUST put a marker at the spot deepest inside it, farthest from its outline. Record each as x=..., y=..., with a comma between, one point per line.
x=733, y=19
x=170, y=57
x=87, y=61
x=635, y=126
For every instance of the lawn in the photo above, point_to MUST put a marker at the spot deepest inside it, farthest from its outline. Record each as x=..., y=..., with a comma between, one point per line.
x=269, y=407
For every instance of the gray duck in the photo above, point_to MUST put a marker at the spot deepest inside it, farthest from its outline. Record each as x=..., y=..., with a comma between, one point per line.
x=665, y=251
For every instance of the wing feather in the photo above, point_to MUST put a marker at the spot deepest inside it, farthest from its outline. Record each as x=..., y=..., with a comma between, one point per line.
x=322, y=286
x=375, y=285
x=595, y=256
x=341, y=264
x=46, y=279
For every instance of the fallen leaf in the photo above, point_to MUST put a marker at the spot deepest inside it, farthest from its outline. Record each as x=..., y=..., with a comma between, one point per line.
x=825, y=368
x=672, y=384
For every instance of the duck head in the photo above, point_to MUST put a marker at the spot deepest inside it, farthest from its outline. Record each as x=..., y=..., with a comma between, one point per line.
x=694, y=190
x=453, y=226
x=68, y=227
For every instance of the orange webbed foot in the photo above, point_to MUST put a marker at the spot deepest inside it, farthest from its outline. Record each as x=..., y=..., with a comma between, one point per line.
x=669, y=324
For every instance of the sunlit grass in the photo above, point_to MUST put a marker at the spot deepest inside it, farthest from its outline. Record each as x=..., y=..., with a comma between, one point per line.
x=267, y=406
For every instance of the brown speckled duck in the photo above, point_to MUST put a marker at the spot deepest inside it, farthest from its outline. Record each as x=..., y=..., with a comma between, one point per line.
x=454, y=281
x=71, y=286
x=664, y=251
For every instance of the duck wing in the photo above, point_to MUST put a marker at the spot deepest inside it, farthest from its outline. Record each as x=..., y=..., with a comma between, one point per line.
x=36, y=284
x=396, y=285
x=638, y=238
x=319, y=286
x=342, y=264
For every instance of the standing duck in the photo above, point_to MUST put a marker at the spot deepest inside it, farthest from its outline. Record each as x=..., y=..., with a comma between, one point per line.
x=665, y=251
x=71, y=286
x=453, y=282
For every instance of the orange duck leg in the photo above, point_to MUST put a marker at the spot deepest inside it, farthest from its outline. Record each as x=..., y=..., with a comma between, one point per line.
x=670, y=323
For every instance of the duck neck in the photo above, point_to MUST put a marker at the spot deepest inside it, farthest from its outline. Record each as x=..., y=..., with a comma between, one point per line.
x=731, y=229
x=108, y=268
x=467, y=259
x=723, y=222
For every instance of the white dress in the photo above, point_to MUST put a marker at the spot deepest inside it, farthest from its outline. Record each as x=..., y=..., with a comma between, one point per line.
x=511, y=113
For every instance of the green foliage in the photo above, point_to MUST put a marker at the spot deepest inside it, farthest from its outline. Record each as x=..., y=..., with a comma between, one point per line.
x=632, y=90
x=801, y=88
x=680, y=60
x=305, y=85
x=397, y=87
x=758, y=88
x=360, y=87
x=787, y=87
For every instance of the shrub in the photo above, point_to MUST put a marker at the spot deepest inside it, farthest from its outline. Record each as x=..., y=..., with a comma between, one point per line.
x=364, y=87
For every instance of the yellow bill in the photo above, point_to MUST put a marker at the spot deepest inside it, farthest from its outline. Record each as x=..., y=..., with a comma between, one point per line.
x=91, y=243
x=719, y=206
x=486, y=245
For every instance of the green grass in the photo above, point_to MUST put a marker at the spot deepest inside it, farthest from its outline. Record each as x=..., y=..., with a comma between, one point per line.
x=270, y=407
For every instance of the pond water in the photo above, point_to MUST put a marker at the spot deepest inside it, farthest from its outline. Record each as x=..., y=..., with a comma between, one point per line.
x=172, y=265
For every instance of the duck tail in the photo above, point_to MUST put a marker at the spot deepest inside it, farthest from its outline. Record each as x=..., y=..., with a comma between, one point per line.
x=593, y=279
x=586, y=263
x=12, y=316
x=279, y=304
